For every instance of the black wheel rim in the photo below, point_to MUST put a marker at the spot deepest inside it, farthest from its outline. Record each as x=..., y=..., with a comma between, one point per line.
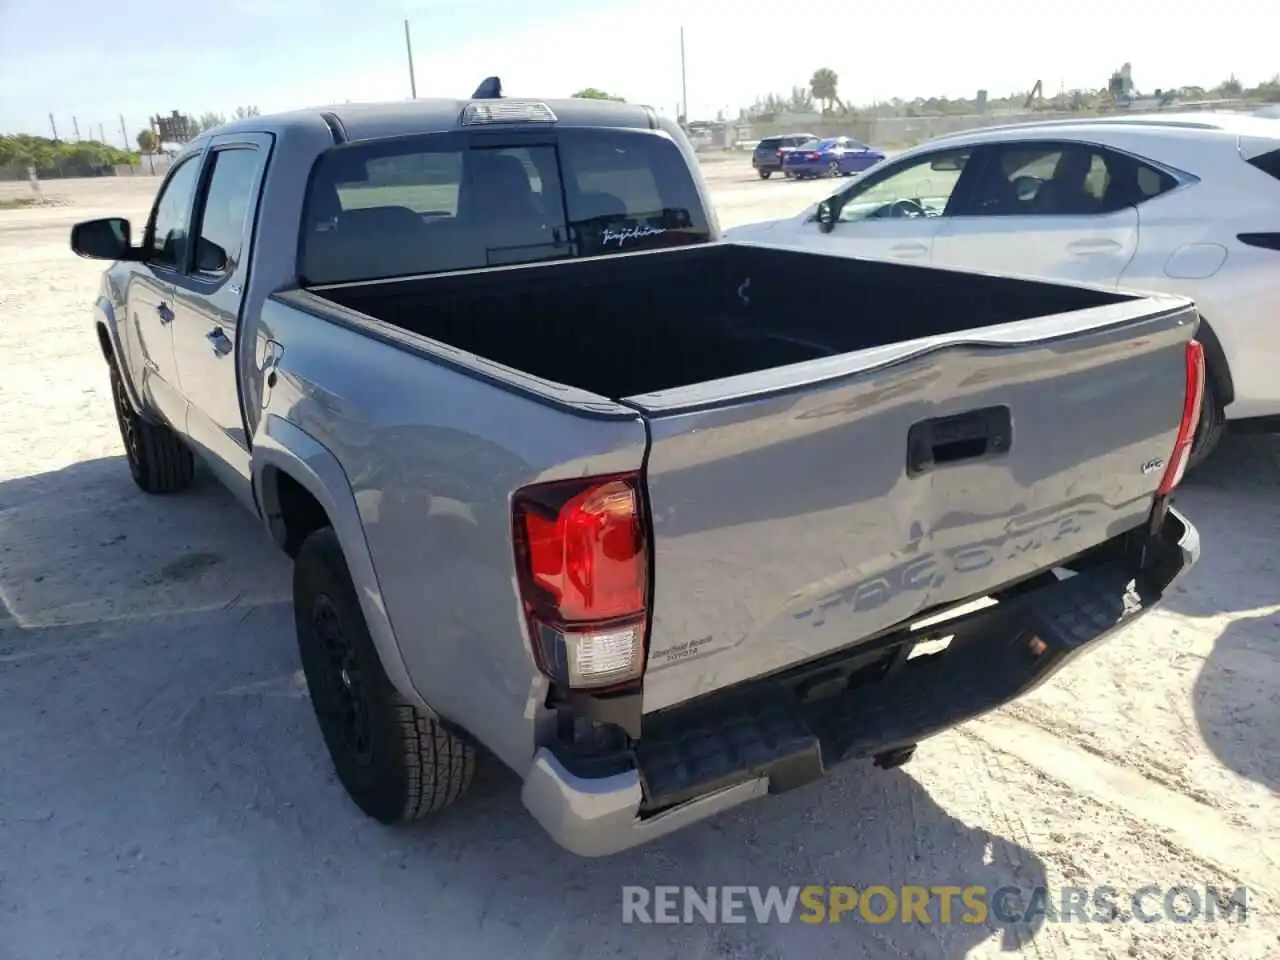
x=343, y=693
x=128, y=426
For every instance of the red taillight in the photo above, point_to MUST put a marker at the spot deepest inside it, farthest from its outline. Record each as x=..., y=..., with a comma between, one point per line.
x=1190, y=420
x=583, y=572
x=815, y=156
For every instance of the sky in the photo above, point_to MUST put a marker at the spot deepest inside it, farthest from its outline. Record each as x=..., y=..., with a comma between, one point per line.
x=97, y=61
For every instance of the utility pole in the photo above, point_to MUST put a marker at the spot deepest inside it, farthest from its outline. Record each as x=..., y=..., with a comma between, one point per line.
x=684, y=90
x=102, y=135
x=408, y=49
x=55, y=128
x=75, y=125
x=124, y=132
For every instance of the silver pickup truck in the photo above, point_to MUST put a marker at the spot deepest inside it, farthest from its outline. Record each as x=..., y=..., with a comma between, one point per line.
x=665, y=523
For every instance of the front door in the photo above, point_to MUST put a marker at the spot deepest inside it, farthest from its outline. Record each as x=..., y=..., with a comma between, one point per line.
x=1060, y=211
x=208, y=300
x=150, y=294
x=893, y=212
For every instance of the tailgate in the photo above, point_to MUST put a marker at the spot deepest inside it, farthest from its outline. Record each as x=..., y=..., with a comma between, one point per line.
x=798, y=511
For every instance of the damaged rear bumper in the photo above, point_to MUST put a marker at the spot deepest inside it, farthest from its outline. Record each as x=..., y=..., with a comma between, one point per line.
x=775, y=734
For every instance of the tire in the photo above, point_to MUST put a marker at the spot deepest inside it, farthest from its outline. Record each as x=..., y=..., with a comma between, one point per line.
x=765, y=174
x=158, y=459
x=1212, y=425
x=396, y=763
x=833, y=169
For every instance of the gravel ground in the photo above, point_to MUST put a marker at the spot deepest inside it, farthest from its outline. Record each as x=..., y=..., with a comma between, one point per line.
x=164, y=790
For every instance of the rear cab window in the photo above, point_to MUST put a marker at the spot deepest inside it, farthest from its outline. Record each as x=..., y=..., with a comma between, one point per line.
x=430, y=204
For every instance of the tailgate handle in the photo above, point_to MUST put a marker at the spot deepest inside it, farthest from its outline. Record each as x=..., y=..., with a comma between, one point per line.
x=974, y=435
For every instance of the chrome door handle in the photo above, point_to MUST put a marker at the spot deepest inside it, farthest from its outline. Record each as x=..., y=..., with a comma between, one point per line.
x=165, y=314
x=219, y=340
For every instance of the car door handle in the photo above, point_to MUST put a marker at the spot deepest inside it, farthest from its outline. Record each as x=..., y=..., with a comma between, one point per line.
x=220, y=341
x=165, y=314
x=1094, y=245
x=909, y=249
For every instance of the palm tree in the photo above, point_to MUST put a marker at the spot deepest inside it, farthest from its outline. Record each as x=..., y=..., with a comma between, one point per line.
x=823, y=83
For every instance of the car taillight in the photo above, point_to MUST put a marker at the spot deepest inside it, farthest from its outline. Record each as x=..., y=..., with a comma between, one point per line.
x=1190, y=420
x=582, y=567
x=815, y=156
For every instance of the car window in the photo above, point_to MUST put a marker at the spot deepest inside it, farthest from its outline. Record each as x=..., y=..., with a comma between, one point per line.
x=811, y=144
x=921, y=187
x=770, y=144
x=225, y=210
x=167, y=234
x=429, y=204
x=1065, y=179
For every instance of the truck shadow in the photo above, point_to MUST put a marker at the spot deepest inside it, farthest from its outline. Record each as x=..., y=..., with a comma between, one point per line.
x=1234, y=501
x=166, y=787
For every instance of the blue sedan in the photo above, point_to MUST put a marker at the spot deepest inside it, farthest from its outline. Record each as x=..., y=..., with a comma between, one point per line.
x=831, y=157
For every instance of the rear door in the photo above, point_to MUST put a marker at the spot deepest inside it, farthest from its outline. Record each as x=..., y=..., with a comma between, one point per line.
x=1043, y=209
x=209, y=293
x=893, y=213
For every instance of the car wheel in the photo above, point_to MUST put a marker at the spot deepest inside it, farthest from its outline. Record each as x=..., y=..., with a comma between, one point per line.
x=765, y=174
x=1212, y=425
x=394, y=761
x=833, y=168
x=159, y=461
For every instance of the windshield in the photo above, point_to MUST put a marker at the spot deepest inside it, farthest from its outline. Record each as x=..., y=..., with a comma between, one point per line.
x=432, y=204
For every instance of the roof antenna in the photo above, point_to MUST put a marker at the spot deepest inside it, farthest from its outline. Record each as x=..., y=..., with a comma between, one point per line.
x=490, y=89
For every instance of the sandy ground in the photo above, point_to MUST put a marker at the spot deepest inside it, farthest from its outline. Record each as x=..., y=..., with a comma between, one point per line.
x=164, y=790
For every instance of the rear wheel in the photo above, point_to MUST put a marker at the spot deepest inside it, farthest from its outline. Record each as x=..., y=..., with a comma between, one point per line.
x=833, y=168
x=1212, y=425
x=158, y=460
x=394, y=761
x=765, y=174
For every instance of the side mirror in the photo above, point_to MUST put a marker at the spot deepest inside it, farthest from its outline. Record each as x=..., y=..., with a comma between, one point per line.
x=210, y=258
x=105, y=239
x=826, y=216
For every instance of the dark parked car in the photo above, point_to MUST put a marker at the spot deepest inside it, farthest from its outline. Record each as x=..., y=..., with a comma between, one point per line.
x=832, y=156
x=767, y=158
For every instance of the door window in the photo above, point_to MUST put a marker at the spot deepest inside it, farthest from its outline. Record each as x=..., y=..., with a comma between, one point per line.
x=920, y=188
x=227, y=202
x=1062, y=179
x=170, y=219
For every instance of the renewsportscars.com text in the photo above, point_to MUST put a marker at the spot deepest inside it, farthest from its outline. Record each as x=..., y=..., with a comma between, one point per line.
x=944, y=904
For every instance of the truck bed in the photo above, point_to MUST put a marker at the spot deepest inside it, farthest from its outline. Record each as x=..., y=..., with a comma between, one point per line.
x=644, y=323
x=836, y=448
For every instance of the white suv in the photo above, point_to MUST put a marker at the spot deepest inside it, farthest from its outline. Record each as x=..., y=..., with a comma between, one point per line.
x=1181, y=203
